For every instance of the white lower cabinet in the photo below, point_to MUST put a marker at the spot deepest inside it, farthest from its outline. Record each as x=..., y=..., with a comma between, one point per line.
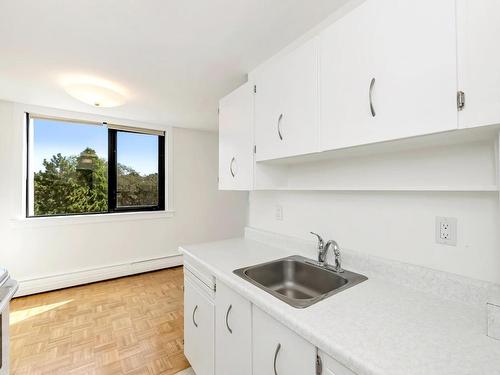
x=276, y=350
x=331, y=367
x=198, y=326
x=233, y=333
x=225, y=334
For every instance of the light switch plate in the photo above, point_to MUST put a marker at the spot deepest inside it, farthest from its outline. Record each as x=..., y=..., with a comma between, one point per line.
x=446, y=230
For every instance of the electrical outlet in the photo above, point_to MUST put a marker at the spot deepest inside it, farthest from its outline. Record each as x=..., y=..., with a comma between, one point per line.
x=446, y=230
x=279, y=212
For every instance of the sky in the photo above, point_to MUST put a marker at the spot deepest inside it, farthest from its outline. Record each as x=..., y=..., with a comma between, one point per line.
x=50, y=137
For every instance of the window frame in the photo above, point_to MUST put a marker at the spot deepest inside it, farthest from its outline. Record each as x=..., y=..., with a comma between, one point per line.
x=113, y=175
x=112, y=171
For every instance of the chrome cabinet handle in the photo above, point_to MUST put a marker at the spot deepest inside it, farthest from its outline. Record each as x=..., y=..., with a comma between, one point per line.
x=372, y=108
x=194, y=312
x=233, y=173
x=319, y=365
x=280, y=118
x=227, y=316
x=278, y=348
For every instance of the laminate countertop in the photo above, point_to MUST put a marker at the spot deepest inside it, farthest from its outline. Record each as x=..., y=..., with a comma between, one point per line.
x=374, y=328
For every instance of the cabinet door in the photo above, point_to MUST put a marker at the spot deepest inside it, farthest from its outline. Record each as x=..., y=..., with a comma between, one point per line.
x=347, y=50
x=236, y=139
x=332, y=367
x=198, y=329
x=415, y=91
x=269, y=108
x=479, y=61
x=287, y=105
x=384, y=75
x=278, y=350
x=233, y=333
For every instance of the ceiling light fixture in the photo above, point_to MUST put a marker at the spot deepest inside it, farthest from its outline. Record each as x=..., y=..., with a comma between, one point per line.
x=94, y=91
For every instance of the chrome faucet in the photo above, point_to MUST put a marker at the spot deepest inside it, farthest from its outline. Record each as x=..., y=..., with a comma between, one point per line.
x=323, y=250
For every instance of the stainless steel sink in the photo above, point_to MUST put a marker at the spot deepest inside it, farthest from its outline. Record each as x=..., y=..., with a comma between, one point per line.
x=299, y=281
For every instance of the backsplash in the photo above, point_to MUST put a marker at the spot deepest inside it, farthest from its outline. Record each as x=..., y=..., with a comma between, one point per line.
x=392, y=225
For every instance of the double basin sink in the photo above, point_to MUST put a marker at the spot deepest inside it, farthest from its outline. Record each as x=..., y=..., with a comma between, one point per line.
x=299, y=281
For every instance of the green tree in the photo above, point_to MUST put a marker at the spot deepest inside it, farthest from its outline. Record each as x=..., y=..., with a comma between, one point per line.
x=66, y=186
x=79, y=184
x=134, y=189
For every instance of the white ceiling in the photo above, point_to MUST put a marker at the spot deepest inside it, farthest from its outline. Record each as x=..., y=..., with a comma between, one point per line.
x=176, y=58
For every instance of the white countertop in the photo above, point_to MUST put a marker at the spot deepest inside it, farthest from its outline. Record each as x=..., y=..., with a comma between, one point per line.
x=374, y=328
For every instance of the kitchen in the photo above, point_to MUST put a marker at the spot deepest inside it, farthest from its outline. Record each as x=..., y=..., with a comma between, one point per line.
x=286, y=189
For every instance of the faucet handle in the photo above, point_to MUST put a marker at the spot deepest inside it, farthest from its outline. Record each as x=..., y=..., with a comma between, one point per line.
x=321, y=243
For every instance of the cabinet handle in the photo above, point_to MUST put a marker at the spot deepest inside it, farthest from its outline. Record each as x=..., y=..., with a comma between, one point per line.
x=194, y=312
x=372, y=108
x=280, y=118
x=233, y=173
x=227, y=316
x=319, y=365
x=278, y=348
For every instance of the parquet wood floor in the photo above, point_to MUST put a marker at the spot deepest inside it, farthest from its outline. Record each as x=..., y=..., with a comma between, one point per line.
x=131, y=325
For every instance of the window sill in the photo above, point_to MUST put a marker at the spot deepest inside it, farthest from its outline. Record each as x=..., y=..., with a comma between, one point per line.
x=34, y=222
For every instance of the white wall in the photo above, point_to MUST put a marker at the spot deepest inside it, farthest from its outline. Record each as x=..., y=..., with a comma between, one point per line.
x=202, y=213
x=394, y=225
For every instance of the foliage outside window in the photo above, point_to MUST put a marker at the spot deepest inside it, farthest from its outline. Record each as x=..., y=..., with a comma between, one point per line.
x=134, y=188
x=76, y=168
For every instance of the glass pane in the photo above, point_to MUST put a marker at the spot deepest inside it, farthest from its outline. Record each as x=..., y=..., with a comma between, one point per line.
x=68, y=163
x=137, y=169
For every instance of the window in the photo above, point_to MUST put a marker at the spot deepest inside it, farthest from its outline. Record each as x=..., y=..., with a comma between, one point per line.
x=79, y=168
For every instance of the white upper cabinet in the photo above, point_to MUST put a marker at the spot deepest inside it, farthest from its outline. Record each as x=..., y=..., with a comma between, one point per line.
x=287, y=104
x=416, y=73
x=388, y=71
x=347, y=68
x=385, y=70
x=236, y=139
x=479, y=61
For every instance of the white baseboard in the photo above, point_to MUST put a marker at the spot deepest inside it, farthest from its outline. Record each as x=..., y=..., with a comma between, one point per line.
x=44, y=284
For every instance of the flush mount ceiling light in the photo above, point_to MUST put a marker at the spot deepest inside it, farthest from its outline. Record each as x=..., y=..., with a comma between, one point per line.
x=94, y=91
